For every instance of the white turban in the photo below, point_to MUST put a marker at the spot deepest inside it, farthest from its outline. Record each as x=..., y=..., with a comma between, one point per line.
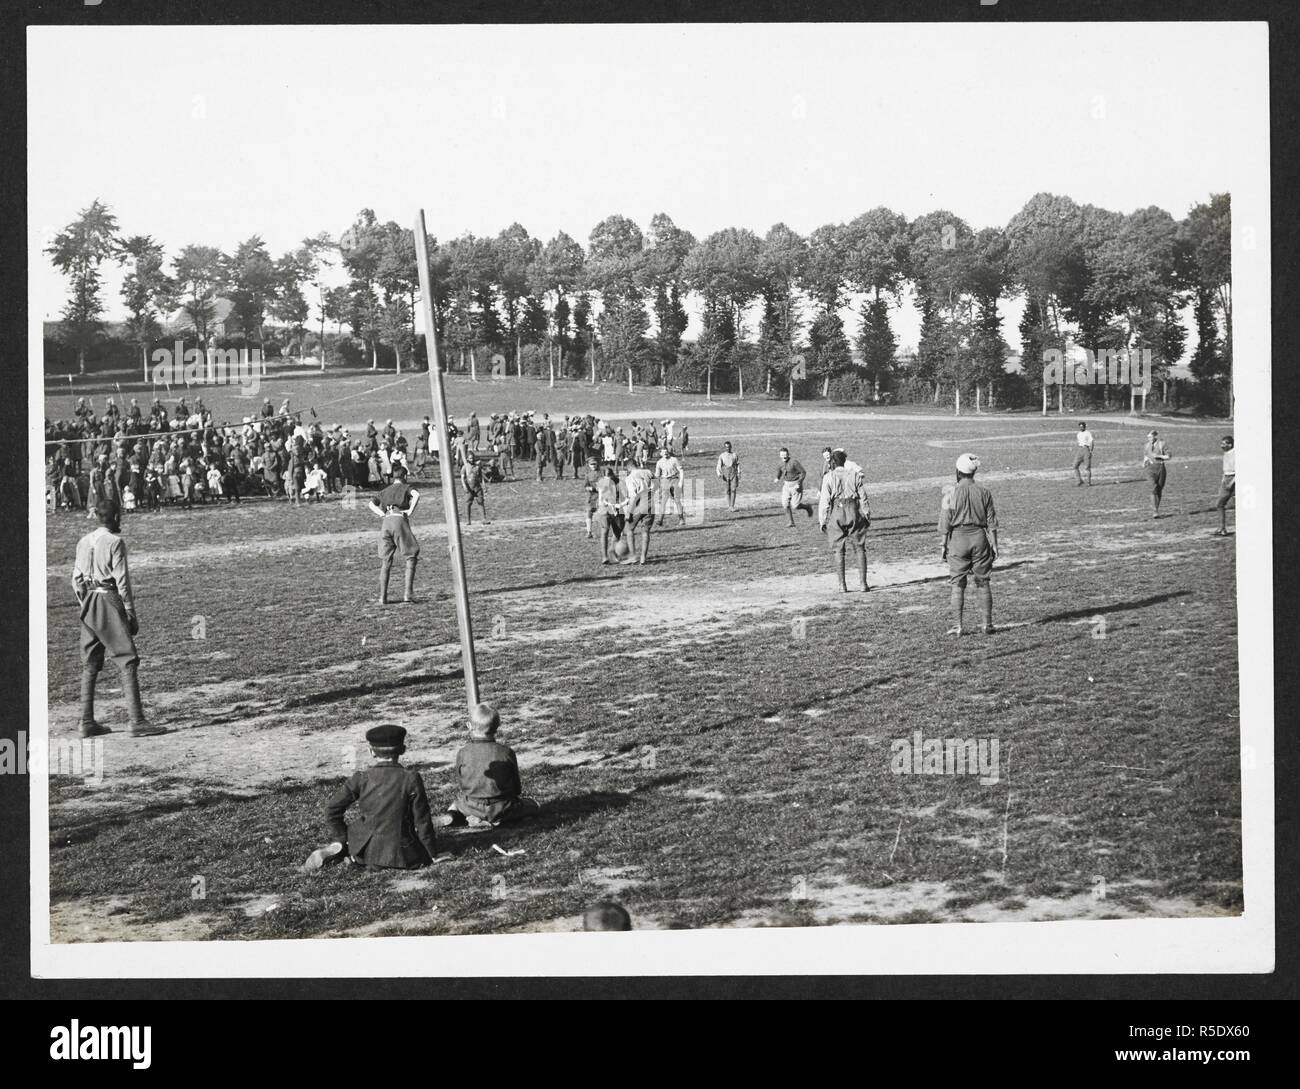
x=967, y=463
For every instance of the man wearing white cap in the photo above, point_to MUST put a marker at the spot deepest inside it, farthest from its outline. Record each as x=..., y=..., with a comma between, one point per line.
x=969, y=526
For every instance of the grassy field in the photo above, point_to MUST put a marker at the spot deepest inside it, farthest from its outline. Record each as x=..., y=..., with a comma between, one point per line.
x=711, y=735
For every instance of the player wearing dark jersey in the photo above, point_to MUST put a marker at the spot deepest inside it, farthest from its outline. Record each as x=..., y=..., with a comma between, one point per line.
x=473, y=478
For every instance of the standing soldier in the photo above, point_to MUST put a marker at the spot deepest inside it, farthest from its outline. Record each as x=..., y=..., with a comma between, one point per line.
x=672, y=481
x=1083, y=456
x=729, y=473
x=395, y=505
x=844, y=507
x=560, y=444
x=472, y=432
x=1154, y=456
x=790, y=475
x=1228, y=486
x=544, y=439
x=969, y=526
x=102, y=583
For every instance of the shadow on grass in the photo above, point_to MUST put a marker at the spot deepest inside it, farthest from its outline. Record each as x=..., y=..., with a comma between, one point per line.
x=903, y=529
x=554, y=815
x=543, y=585
x=750, y=714
x=735, y=550
x=77, y=832
x=1118, y=607
x=369, y=688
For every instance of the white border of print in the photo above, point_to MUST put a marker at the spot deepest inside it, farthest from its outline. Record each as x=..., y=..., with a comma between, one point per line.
x=1241, y=944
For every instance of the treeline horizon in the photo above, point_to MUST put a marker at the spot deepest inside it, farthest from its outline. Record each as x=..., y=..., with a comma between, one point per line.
x=770, y=305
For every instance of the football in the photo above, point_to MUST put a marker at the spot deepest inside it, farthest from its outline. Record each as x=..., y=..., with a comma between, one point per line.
x=622, y=549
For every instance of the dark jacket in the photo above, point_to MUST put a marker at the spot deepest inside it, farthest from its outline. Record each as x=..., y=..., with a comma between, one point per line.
x=393, y=827
x=487, y=779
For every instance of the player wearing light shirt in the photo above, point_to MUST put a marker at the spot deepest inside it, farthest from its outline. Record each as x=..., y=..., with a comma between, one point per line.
x=729, y=473
x=608, y=515
x=671, y=476
x=1083, y=456
x=640, y=510
x=102, y=583
x=1228, y=486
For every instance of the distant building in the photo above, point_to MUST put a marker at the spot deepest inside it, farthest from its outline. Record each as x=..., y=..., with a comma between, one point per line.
x=223, y=322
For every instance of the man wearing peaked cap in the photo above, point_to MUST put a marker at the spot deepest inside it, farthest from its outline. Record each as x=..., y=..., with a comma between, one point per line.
x=968, y=524
x=386, y=736
x=392, y=827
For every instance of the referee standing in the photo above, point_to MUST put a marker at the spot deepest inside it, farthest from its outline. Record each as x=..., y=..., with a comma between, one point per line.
x=969, y=526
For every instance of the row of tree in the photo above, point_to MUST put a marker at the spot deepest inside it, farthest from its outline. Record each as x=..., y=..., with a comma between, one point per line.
x=772, y=306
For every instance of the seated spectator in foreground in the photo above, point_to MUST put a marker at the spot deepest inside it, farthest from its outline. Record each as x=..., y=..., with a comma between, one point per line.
x=487, y=777
x=393, y=827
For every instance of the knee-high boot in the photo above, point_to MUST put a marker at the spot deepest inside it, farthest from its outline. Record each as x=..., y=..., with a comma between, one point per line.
x=140, y=726
x=409, y=594
x=89, y=727
x=958, y=607
x=985, y=595
x=385, y=567
x=839, y=569
x=862, y=568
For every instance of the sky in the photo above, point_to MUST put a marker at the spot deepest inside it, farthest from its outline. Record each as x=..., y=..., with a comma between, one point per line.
x=212, y=134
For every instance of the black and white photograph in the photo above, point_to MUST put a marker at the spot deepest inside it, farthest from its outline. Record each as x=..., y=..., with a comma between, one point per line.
x=766, y=489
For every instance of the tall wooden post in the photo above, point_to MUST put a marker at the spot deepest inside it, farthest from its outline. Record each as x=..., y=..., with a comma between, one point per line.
x=446, y=471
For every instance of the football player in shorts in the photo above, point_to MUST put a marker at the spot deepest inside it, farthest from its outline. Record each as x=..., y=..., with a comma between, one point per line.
x=472, y=476
x=640, y=511
x=608, y=515
x=1154, y=456
x=395, y=505
x=728, y=469
x=671, y=477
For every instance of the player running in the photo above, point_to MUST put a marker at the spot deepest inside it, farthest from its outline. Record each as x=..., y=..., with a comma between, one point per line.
x=790, y=475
